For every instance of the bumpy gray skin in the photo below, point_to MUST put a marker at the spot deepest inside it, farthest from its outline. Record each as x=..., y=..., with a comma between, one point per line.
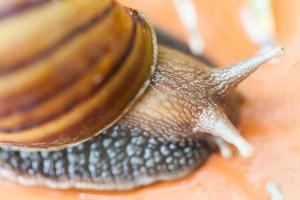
x=121, y=158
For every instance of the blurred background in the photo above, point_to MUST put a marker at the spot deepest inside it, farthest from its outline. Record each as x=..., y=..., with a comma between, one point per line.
x=227, y=31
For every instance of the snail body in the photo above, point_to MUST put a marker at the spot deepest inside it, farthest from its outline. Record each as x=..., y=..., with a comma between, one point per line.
x=148, y=107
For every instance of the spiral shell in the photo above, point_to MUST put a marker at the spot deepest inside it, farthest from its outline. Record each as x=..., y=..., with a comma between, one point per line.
x=69, y=69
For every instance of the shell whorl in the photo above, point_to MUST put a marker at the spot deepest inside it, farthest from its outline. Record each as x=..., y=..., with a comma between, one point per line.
x=65, y=68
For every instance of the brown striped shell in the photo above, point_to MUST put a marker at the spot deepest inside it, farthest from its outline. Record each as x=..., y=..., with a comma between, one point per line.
x=69, y=69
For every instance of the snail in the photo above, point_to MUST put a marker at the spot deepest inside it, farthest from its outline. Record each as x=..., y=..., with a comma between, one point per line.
x=89, y=98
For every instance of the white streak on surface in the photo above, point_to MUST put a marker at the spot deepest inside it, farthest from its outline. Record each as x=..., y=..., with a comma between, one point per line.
x=258, y=21
x=274, y=191
x=188, y=15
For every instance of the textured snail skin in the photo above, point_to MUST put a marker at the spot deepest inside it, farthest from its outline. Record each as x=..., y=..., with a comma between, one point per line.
x=121, y=158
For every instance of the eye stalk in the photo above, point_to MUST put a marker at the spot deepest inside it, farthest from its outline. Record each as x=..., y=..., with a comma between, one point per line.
x=212, y=119
x=226, y=80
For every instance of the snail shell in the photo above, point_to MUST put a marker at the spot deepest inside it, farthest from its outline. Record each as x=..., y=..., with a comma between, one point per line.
x=76, y=67
x=88, y=77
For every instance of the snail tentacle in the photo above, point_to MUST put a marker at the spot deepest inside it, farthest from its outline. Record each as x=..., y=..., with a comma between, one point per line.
x=224, y=147
x=212, y=119
x=226, y=80
x=215, y=122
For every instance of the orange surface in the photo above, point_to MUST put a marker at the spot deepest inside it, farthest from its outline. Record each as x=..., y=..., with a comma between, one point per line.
x=269, y=116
